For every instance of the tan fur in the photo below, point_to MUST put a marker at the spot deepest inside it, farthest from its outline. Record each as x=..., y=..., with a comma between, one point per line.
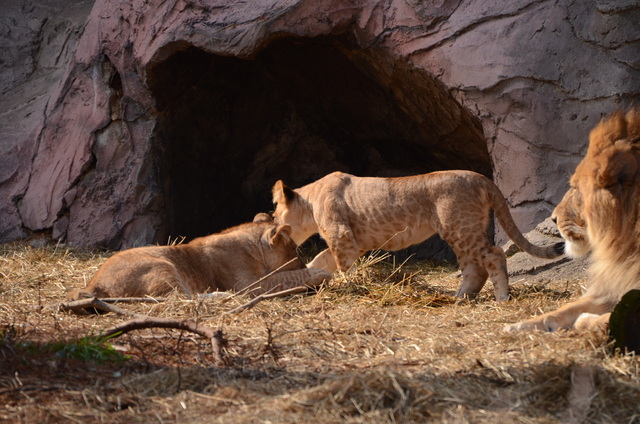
x=358, y=214
x=599, y=214
x=230, y=260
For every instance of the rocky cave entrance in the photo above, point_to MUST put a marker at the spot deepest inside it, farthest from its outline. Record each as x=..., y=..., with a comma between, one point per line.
x=229, y=128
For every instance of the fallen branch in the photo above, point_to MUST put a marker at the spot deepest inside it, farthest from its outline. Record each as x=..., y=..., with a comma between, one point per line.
x=139, y=322
x=81, y=306
x=142, y=322
x=218, y=342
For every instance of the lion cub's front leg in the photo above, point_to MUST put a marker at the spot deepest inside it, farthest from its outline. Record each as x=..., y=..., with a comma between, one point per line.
x=323, y=260
x=342, y=246
x=289, y=279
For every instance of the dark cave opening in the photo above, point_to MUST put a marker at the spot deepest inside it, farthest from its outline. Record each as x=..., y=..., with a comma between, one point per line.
x=229, y=128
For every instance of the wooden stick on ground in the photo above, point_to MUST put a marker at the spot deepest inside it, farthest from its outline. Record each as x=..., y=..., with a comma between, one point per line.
x=218, y=342
x=81, y=306
x=142, y=322
x=139, y=322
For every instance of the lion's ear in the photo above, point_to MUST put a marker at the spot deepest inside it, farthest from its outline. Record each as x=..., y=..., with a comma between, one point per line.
x=281, y=231
x=282, y=193
x=619, y=167
x=633, y=125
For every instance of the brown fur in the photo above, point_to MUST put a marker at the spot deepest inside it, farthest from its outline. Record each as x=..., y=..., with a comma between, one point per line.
x=356, y=214
x=599, y=214
x=230, y=260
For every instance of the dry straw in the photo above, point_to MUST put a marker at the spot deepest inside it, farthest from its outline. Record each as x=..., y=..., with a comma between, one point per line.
x=387, y=342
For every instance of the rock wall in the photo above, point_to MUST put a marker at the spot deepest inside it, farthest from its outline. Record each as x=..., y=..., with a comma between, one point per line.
x=37, y=44
x=124, y=123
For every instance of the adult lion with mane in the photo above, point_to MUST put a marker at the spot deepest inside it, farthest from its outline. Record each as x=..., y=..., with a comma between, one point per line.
x=230, y=260
x=599, y=214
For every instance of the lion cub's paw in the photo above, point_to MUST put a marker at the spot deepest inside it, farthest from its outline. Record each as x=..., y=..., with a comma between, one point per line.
x=318, y=275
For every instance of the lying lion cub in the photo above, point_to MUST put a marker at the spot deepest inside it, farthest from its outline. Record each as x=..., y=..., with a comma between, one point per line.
x=230, y=260
x=355, y=215
x=601, y=214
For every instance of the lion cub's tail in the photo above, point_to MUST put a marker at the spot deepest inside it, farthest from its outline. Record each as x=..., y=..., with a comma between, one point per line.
x=501, y=210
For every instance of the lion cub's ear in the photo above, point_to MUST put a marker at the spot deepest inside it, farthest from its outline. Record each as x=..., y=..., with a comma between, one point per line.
x=616, y=167
x=280, y=232
x=262, y=217
x=282, y=193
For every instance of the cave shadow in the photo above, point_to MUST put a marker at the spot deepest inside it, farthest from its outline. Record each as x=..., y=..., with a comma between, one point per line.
x=228, y=128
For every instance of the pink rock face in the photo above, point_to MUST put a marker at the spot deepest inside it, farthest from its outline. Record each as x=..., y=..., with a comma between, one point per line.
x=128, y=123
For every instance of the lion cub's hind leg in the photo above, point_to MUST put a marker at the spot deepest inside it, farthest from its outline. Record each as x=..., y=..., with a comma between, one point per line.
x=167, y=277
x=474, y=276
x=127, y=275
x=478, y=262
x=495, y=262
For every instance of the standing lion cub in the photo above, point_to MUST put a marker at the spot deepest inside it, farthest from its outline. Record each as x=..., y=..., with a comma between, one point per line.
x=230, y=260
x=358, y=214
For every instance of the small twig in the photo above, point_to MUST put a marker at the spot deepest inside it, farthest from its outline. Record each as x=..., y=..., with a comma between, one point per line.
x=252, y=285
x=266, y=296
x=218, y=345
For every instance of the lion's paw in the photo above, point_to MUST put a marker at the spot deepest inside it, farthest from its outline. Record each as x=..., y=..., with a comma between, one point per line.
x=521, y=326
x=593, y=322
x=548, y=323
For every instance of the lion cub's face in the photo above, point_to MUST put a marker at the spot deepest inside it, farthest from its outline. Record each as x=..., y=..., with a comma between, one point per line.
x=288, y=214
x=571, y=224
x=291, y=210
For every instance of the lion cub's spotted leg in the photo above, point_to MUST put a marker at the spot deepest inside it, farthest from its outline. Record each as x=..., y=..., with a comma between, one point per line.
x=343, y=247
x=474, y=277
x=495, y=262
x=478, y=262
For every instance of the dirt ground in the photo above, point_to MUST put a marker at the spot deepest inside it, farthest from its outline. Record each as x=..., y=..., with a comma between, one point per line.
x=386, y=344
